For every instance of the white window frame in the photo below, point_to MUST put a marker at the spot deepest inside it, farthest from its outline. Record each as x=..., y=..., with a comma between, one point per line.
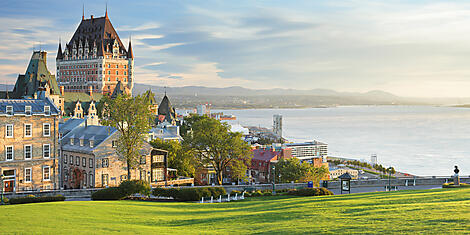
x=28, y=110
x=44, y=173
x=30, y=175
x=9, y=110
x=12, y=152
x=12, y=131
x=91, y=162
x=43, y=151
x=30, y=130
x=30, y=151
x=44, y=130
x=47, y=110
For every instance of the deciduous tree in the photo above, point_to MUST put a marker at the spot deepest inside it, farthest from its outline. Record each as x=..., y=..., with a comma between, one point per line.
x=131, y=117
x=214, y=145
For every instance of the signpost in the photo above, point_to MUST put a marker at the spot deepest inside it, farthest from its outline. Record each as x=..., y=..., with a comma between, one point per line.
x=345, y=182
x=310, y=184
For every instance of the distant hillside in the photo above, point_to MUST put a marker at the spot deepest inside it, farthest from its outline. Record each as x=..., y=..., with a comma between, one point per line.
x=240, y=91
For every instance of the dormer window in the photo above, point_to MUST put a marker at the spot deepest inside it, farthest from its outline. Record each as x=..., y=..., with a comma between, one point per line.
x=71, y=141
x=9, y=110
x=81, y=142
x=47, y=110
x=27, y=110
x=91, y=143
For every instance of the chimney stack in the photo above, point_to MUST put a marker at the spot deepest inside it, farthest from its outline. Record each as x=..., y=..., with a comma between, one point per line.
x=62, y=91
x=91, y=16
x=90, y=90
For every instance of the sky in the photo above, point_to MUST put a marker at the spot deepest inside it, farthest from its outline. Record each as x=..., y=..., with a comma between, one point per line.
x=409, y=48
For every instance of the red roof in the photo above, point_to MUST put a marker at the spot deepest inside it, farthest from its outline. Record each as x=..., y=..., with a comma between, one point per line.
x=265, y=154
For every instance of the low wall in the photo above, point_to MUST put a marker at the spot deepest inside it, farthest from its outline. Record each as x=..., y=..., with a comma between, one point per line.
x=397, y=182
x=69, y=193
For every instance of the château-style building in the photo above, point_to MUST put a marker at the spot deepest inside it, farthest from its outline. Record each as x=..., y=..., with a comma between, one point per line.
x=95, y=59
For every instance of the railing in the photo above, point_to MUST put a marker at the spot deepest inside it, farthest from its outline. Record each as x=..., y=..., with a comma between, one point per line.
x=225, y=198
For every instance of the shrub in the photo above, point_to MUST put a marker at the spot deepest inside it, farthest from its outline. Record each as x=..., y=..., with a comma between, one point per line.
x=204, y=192
x=451, y=185
x=217, y=191
x=130, y=187
x=5, y=200
x=310, y=192
x=113, y=193
x=33, y=199
x=267, y=194
x=247, y=194
x=257, y=193
x=235, y=192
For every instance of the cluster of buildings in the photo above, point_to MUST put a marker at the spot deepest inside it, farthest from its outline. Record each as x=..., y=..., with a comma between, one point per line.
x=51, y=136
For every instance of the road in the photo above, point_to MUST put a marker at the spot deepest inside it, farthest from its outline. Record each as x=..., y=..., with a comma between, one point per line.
x=382, y=188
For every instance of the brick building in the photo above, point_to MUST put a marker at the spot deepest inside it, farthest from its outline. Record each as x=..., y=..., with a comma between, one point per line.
x=260, y=168
x=95, y=59
x=28, y=144
x=89, y=159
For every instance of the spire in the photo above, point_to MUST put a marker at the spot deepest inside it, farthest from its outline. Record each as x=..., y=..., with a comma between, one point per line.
x=106, y=13
x=130, y=55
x=59, y=51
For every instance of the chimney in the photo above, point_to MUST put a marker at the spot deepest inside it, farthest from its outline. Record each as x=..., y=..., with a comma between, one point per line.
x=92, y=17
x=62, y=91
x=90, y=90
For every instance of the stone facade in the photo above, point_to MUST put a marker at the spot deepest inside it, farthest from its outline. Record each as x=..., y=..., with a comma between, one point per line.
x=28, y=145
x=89, y=159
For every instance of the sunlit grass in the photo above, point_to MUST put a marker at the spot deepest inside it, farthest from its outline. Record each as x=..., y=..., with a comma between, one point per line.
x=423, y=211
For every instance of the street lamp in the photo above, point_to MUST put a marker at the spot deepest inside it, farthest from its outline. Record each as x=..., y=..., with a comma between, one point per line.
x=274, y=180
x=1, y=179
x=150, y=182
x=389, y=179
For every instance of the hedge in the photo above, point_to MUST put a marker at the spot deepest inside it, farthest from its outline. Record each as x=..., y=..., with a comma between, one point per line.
x=125, y=189
x=451, y=185
x=310, y=192
x=189, y=194
x=112, y=193
x=33, y=199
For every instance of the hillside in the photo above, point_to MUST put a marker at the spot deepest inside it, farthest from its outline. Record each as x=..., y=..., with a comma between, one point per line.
x=425, y=211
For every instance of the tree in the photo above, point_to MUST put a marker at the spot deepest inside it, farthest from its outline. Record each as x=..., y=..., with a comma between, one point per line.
x=188, y=123
x=214, y=145
x=179, y=158
x=131, y=117
x=292, y=169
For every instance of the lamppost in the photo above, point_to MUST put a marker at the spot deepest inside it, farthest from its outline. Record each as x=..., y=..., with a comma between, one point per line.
x=1, y=179
x=274, y=179
x=389, y=179
x=150, y=182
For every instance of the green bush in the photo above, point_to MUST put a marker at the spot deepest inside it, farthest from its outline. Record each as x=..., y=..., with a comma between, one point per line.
x=235, y=192
x=451, y=185
x=130, y=187
x=267, y=194
x=189, y=194
x=112, y=193
x=165, y=192
x=217, y=191
x=6, y=200
x=310, y=192
x=257, y=193
x=33, y=199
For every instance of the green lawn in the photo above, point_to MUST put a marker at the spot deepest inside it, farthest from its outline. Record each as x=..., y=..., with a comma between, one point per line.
x=425, y=211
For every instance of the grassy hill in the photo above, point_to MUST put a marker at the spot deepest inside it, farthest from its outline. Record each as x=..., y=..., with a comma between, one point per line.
x=425, y=211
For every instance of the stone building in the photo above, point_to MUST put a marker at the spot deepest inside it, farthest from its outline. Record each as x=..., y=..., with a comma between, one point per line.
x=28, y=144
x=37, y=78
x=95, y=59
x=89, y=159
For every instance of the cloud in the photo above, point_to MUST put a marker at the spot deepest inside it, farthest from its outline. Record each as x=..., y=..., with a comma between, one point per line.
x=343, y=45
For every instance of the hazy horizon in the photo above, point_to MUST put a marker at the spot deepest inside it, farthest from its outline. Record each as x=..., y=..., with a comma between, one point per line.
x=410, y=49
